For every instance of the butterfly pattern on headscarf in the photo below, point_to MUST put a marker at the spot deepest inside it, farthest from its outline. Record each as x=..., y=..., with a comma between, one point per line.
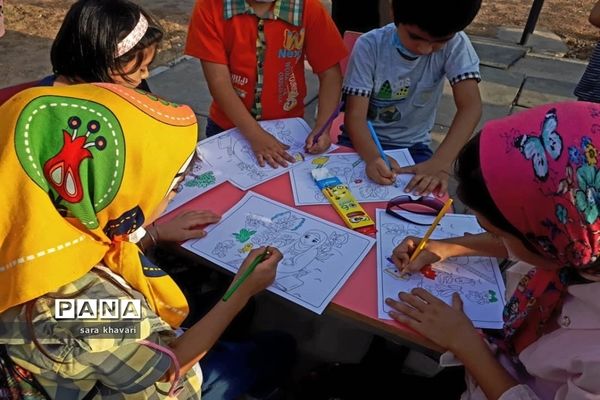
x=553, y=200
x=537, y=148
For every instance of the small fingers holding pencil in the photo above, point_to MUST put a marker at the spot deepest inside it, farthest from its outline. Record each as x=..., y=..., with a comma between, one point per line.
x=378, y=171
x=322, y=143
x=403, y=252
x=264, y=272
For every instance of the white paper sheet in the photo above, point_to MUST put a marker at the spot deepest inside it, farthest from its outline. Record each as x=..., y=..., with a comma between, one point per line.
x=350, y=169
x=201, y=178
x=477, y=279
x=319, y=256
x=230, y=152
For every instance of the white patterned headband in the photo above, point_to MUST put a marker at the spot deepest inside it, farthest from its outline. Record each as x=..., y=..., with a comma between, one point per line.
x=133, y=37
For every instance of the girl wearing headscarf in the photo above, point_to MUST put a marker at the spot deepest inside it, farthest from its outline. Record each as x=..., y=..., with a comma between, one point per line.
x=533, y=182
x=84, y=168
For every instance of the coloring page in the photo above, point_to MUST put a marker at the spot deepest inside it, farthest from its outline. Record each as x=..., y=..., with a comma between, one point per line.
x=477, y=279
x=229, y=151
x=319, y=256
x=350, y=169
x=201, y=178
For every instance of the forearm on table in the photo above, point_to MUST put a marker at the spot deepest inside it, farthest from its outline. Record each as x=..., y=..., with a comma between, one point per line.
x=330, y=87
x=222, y=91
x=482, y=244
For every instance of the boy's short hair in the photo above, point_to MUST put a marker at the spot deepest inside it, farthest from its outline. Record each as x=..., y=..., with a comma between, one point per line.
x=86, y=43
x=439, y=18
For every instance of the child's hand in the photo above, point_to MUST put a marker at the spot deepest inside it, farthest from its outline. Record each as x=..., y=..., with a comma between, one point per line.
x=445, y=325
x=185, y=226
x=378, y=171
x=322, y=144
x=269, y=150
x=429, y=176
x=433, y=252
x=264, y=274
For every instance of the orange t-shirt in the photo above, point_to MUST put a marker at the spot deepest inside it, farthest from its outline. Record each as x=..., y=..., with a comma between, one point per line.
x=237, y=43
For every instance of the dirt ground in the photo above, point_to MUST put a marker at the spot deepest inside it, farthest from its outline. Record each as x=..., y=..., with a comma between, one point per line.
x=32, y=24
x=567, y=18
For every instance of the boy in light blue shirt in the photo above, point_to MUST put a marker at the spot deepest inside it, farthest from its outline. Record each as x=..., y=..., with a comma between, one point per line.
x=395, y=79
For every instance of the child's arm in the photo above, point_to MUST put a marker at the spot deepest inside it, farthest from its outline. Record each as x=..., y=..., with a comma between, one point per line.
x=265, y=146
x=184, y=226
x=595, y=15
x=355, y=124
x=483, y=244
x=451, y=329
x=324, y=50
x=434, y=173
x=193, y=345
x=330, y=87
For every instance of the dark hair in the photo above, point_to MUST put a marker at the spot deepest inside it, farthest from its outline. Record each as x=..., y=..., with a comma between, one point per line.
x=86, y=44
x=439, y=18
x=473, y=192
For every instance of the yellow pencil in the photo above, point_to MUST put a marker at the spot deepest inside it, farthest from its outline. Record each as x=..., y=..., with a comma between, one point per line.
x=425, y=239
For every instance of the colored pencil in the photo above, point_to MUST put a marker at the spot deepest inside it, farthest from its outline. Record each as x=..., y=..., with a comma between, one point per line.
x=435, y=223
x=260, y=258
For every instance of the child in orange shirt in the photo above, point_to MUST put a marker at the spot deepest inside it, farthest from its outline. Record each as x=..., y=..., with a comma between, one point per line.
x=252, y=54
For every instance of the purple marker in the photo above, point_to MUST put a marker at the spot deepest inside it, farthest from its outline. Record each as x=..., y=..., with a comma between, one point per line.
x=329, y=121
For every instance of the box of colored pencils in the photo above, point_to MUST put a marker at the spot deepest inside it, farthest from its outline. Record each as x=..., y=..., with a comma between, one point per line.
x=343, y=201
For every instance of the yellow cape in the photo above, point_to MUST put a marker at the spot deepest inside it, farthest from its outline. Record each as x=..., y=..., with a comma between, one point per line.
x=82, y=167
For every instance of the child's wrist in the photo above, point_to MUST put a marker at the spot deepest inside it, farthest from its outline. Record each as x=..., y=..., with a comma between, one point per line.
x=371, y=158
x=255, y=133
x=468, y=345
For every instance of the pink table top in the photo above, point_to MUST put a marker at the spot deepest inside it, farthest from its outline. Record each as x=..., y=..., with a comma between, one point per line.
x=357, y=299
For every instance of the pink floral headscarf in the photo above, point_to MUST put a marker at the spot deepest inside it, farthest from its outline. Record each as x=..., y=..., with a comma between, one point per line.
x=541, y=169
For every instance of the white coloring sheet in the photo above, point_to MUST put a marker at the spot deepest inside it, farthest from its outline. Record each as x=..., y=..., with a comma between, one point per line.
x=477, y=280
x=201, y=178
x=350, y=169
x=319, y=256
x=230, y=152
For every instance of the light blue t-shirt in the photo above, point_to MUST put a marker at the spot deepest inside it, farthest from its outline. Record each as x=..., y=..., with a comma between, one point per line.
x=404, y=92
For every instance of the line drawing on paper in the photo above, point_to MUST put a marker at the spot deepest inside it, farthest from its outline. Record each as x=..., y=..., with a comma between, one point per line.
x=350, y=169
x=202, y=177
x=318, y=255
x=230, y=151
x=476, y=279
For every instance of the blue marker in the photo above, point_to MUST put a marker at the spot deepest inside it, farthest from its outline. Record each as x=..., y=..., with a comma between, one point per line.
x=379, y=148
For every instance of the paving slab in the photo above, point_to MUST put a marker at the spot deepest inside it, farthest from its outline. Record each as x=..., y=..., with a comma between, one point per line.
x=560, y=69
x=517, y=109
x=538, y=91
x=499, y=87
x=183, y=83
x=496, y=54
x=499, y=90
x=541, y=42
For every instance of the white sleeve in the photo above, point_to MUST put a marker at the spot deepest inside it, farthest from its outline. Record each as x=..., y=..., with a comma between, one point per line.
x=519, y=392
